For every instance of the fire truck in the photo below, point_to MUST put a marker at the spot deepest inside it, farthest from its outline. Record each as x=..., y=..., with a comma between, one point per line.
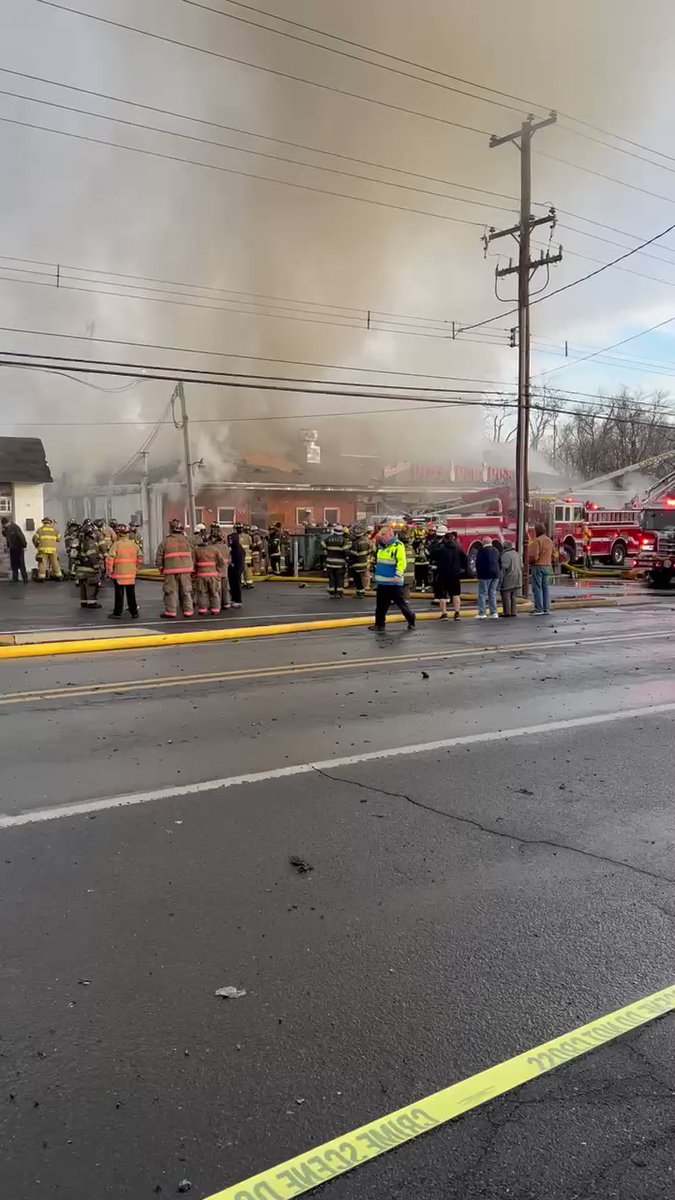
x=616, y=532
x=655, y=560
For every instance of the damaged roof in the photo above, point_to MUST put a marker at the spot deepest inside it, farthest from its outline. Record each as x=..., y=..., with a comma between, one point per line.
x=22, y=460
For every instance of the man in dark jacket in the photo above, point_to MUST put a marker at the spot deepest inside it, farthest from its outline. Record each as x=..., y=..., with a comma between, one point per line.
x=449, y=561
x=488, y=571
x=16, y=544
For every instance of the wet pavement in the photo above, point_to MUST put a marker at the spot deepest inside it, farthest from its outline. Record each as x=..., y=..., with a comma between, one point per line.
x=464, y=904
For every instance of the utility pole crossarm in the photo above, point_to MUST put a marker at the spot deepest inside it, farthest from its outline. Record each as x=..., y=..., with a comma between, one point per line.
x=544, y=260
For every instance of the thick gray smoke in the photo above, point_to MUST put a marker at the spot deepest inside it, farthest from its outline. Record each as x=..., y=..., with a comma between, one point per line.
x=87, y=205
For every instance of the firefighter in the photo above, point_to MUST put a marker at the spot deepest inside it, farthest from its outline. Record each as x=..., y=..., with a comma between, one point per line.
x=274, y=548
x=70, y=543
x=421, y=557
x=87, y=564
x=256, y=551
x=336, y=546
x=358, y=561
x=136, y=535
x=46, y=540
x=124, y=558
x=175, y=560
x=409, y=574
x=587, y=540
x=216, y=539
x=246, y=543
x=209, y=562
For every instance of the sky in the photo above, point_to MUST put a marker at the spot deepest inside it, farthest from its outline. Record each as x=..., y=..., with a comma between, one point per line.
x=257, y=267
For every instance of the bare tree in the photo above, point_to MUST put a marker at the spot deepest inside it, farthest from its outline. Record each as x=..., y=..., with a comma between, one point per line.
x=615, y=432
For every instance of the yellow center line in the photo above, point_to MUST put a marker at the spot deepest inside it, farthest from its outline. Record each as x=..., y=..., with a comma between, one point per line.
x=255, y=673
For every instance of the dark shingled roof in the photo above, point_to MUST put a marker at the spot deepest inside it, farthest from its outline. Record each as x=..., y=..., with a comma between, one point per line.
x=22, y=460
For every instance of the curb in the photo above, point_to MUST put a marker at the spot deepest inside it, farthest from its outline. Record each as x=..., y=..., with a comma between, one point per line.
x=159, y=640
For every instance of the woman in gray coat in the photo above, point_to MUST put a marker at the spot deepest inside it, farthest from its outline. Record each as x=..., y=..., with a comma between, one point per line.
x=511, y=580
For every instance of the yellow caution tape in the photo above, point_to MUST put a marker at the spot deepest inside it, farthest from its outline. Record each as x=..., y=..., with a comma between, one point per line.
x=307, y=1171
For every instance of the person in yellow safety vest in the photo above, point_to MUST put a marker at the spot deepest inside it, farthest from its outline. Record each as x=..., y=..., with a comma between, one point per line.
x=209, y=562
x=46, y=540
x=175, y=559
x=246, y=543
x=389, y=576
x=124, y=558
x=587, y=540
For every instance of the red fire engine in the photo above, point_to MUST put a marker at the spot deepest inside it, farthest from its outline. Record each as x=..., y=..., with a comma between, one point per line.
x=655, y=559
x=615, y=533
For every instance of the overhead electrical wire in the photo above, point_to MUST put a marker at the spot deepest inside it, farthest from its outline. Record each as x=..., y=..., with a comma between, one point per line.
x=485, y=402
x=167, y=112
x=521, y=102
x=212, y=144
x=305, y=187
x=605, y=349
x=268, y=70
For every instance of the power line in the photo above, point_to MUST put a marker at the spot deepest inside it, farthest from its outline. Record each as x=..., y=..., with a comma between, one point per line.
x=167, y=112
x=342, y=53
x=614, y=346
x=634, y=187
x=521, y=102
x=305, y=187
x=210, y=142
x=257, y=67
x=485, y=402
x=529, y=104
x=574, y=282
x=387, y=327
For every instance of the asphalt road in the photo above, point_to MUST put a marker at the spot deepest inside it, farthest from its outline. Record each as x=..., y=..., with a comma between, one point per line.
x=465, y=903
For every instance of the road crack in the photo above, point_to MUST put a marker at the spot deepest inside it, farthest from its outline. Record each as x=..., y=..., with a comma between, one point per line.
x=499, y=833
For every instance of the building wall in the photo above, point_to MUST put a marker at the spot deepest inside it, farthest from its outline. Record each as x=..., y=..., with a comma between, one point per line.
x=29, y=506
x=265, y=508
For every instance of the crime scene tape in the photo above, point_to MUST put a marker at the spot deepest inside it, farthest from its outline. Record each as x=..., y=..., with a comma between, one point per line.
x=307, y=1171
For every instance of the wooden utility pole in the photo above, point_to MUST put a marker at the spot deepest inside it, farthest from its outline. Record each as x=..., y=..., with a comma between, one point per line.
x=525, y=269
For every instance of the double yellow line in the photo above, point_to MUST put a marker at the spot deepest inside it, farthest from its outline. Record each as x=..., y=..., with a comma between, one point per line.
x=280, y=672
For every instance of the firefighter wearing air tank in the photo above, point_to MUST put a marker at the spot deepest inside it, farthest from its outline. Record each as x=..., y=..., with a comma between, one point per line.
x=336, y=545
x=209, y=562
x=175, y=560
x=46, y=540
x=358, y=560
x=88, y=564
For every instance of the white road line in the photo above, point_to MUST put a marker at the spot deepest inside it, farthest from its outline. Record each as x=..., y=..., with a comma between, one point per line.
x=83, y=807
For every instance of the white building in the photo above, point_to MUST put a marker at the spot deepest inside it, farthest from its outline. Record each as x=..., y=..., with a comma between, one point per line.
x=23, y=474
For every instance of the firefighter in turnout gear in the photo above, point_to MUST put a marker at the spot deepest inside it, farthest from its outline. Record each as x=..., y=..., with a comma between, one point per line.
x=358, y=561
x=175, y=560
x=88, y=565
x=336, y=546
x=587, y=539
x=246, y=543
x=421, y=557
x=409, y=573
x=216, y=539
x=124, y=558
x=70, y=542
x=209, y=562
x=46, y=540
x=274, y=549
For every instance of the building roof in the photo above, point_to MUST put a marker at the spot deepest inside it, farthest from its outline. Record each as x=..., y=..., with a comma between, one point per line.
x=22, y=460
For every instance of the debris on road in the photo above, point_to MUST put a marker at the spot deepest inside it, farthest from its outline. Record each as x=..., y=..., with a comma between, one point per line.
x=230, y=993
x=301, y=866
x=425, y=674
x=184, y=1185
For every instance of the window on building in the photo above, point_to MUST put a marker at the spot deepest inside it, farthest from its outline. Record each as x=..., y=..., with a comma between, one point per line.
x=5, y=505
x=331, y=516
x=304, y=516
x=199, y=516
x=226, y=516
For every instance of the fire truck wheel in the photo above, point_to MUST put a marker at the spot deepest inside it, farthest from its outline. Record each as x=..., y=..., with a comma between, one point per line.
x=618, y=555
